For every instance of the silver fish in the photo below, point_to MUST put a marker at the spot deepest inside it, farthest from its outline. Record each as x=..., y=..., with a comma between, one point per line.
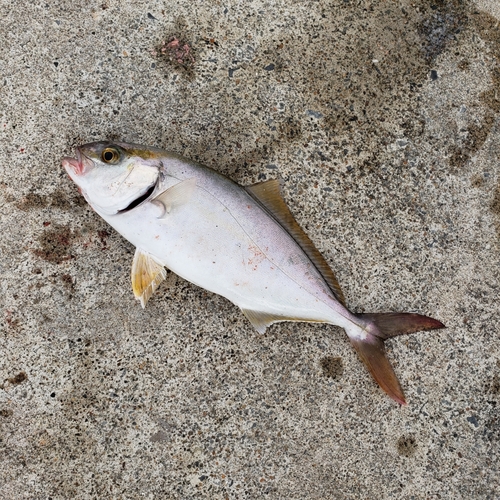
x=240, y=242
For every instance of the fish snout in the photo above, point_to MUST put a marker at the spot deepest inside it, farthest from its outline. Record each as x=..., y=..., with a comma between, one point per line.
x=74, y=166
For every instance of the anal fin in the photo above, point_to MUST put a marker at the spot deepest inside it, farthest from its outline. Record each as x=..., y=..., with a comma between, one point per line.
x=147, y=274
x=261, y=320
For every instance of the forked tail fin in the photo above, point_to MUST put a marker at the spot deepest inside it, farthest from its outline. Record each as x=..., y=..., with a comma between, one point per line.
x=371, y=349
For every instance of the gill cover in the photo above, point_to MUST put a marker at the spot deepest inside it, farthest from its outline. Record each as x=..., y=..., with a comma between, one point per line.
x=115, y=177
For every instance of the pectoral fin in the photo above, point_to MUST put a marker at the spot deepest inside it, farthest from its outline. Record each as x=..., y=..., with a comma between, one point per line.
x=147, y=274
x=175, y=196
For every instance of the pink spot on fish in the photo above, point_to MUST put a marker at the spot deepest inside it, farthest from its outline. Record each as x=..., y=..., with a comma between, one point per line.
x=255, y=256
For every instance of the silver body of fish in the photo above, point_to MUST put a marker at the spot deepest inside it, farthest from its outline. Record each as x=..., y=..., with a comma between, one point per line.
x=239, y=242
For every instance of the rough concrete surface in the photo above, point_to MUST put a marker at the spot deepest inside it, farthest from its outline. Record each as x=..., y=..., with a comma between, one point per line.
x=381, y=117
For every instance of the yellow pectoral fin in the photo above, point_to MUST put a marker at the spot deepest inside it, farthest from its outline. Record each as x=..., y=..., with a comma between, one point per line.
x=147, y=274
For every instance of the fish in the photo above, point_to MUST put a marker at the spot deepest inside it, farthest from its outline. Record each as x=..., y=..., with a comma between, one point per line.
x=242, y=243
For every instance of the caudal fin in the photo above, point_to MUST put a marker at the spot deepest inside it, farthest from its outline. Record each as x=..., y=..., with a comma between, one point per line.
x=371, y=349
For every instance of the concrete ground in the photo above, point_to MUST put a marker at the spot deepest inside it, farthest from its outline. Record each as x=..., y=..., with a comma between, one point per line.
x=381, y=117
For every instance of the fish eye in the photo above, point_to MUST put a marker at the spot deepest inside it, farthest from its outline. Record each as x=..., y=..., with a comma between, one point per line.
x=110, y=155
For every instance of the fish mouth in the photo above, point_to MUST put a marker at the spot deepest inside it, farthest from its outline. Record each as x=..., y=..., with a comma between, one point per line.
x=74, y=165
x=141, y=199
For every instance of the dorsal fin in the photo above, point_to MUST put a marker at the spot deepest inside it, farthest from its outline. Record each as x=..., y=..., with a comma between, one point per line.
x=268, y=194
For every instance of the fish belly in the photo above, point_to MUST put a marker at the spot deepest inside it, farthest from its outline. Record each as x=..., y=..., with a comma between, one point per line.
x=235, y=249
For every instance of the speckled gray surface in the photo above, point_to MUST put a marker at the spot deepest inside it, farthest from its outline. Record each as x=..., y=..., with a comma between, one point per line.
x=382, y=120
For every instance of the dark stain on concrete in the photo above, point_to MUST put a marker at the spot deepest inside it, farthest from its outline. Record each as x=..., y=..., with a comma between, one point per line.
x=495, y=208
x=18, y=379
x=57, y=199
x=464, y=65
x=492, y=428
x=477, y=181
x=332, y=367
x=358, y=67
x=476, y=137
x=68, y=282
x=486, y=26
x=495, y=383
x=443, y=21
x=55, y=244
x=32, y=201
x=489, y=30
x=495, y=204
x=103, y=236
x=10, y=320
x=290, y=129
x=407, y=446
x=364, y=67
x=6, y=413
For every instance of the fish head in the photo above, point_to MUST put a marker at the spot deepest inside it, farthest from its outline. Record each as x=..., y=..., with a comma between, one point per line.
x=114, y=177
